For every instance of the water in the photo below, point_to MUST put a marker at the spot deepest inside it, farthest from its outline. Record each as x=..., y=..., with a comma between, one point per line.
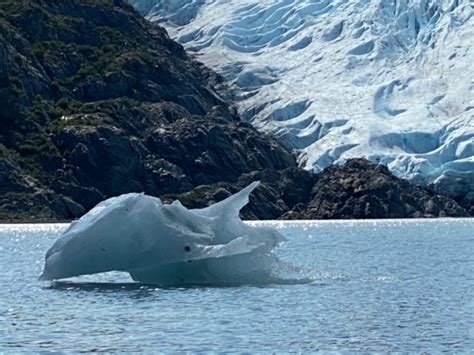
x=377, y=286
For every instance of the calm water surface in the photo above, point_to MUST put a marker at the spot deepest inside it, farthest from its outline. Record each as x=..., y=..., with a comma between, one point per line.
x=376, y=286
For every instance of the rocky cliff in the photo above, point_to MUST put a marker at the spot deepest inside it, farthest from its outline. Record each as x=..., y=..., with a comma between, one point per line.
x=95, y=102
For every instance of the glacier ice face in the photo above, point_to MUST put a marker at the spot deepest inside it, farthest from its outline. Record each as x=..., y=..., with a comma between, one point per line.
x=166, y=244
x=392, y=81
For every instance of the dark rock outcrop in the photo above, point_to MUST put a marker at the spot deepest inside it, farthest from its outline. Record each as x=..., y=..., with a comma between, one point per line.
x=358, y=189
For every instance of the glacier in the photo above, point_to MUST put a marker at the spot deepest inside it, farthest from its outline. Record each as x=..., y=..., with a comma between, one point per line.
x=389, y=80
x=166, y=244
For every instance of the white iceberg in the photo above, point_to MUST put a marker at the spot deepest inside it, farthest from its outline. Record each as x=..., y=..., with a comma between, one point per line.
x=166, y=244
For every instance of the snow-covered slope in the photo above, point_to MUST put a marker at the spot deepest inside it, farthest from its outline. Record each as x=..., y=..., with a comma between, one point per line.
x=389, y=80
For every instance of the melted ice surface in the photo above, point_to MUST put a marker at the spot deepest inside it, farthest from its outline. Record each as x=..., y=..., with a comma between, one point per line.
x=165, y=244
x=392, y=81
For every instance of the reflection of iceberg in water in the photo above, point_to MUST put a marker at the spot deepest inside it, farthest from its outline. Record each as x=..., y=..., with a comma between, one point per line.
x=166, y=244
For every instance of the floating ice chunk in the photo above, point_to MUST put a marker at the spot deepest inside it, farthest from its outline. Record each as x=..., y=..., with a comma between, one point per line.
x=165, y=243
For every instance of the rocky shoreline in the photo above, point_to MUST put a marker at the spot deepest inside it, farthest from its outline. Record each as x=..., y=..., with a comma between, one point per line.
x=96, y=102
x=357, y=190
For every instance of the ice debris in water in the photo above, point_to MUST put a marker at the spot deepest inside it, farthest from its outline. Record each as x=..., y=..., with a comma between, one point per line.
x=166, y=244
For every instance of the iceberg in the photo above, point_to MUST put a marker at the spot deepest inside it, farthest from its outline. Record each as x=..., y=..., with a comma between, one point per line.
x=166, y=244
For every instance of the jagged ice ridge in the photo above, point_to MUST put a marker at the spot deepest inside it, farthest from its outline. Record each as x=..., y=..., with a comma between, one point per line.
x=392, y=81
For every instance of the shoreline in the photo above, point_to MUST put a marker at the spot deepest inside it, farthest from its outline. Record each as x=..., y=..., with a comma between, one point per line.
x=282, y=221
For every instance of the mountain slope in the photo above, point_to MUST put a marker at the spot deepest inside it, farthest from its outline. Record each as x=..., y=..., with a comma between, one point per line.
x=391, y=81
x=95, y=102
